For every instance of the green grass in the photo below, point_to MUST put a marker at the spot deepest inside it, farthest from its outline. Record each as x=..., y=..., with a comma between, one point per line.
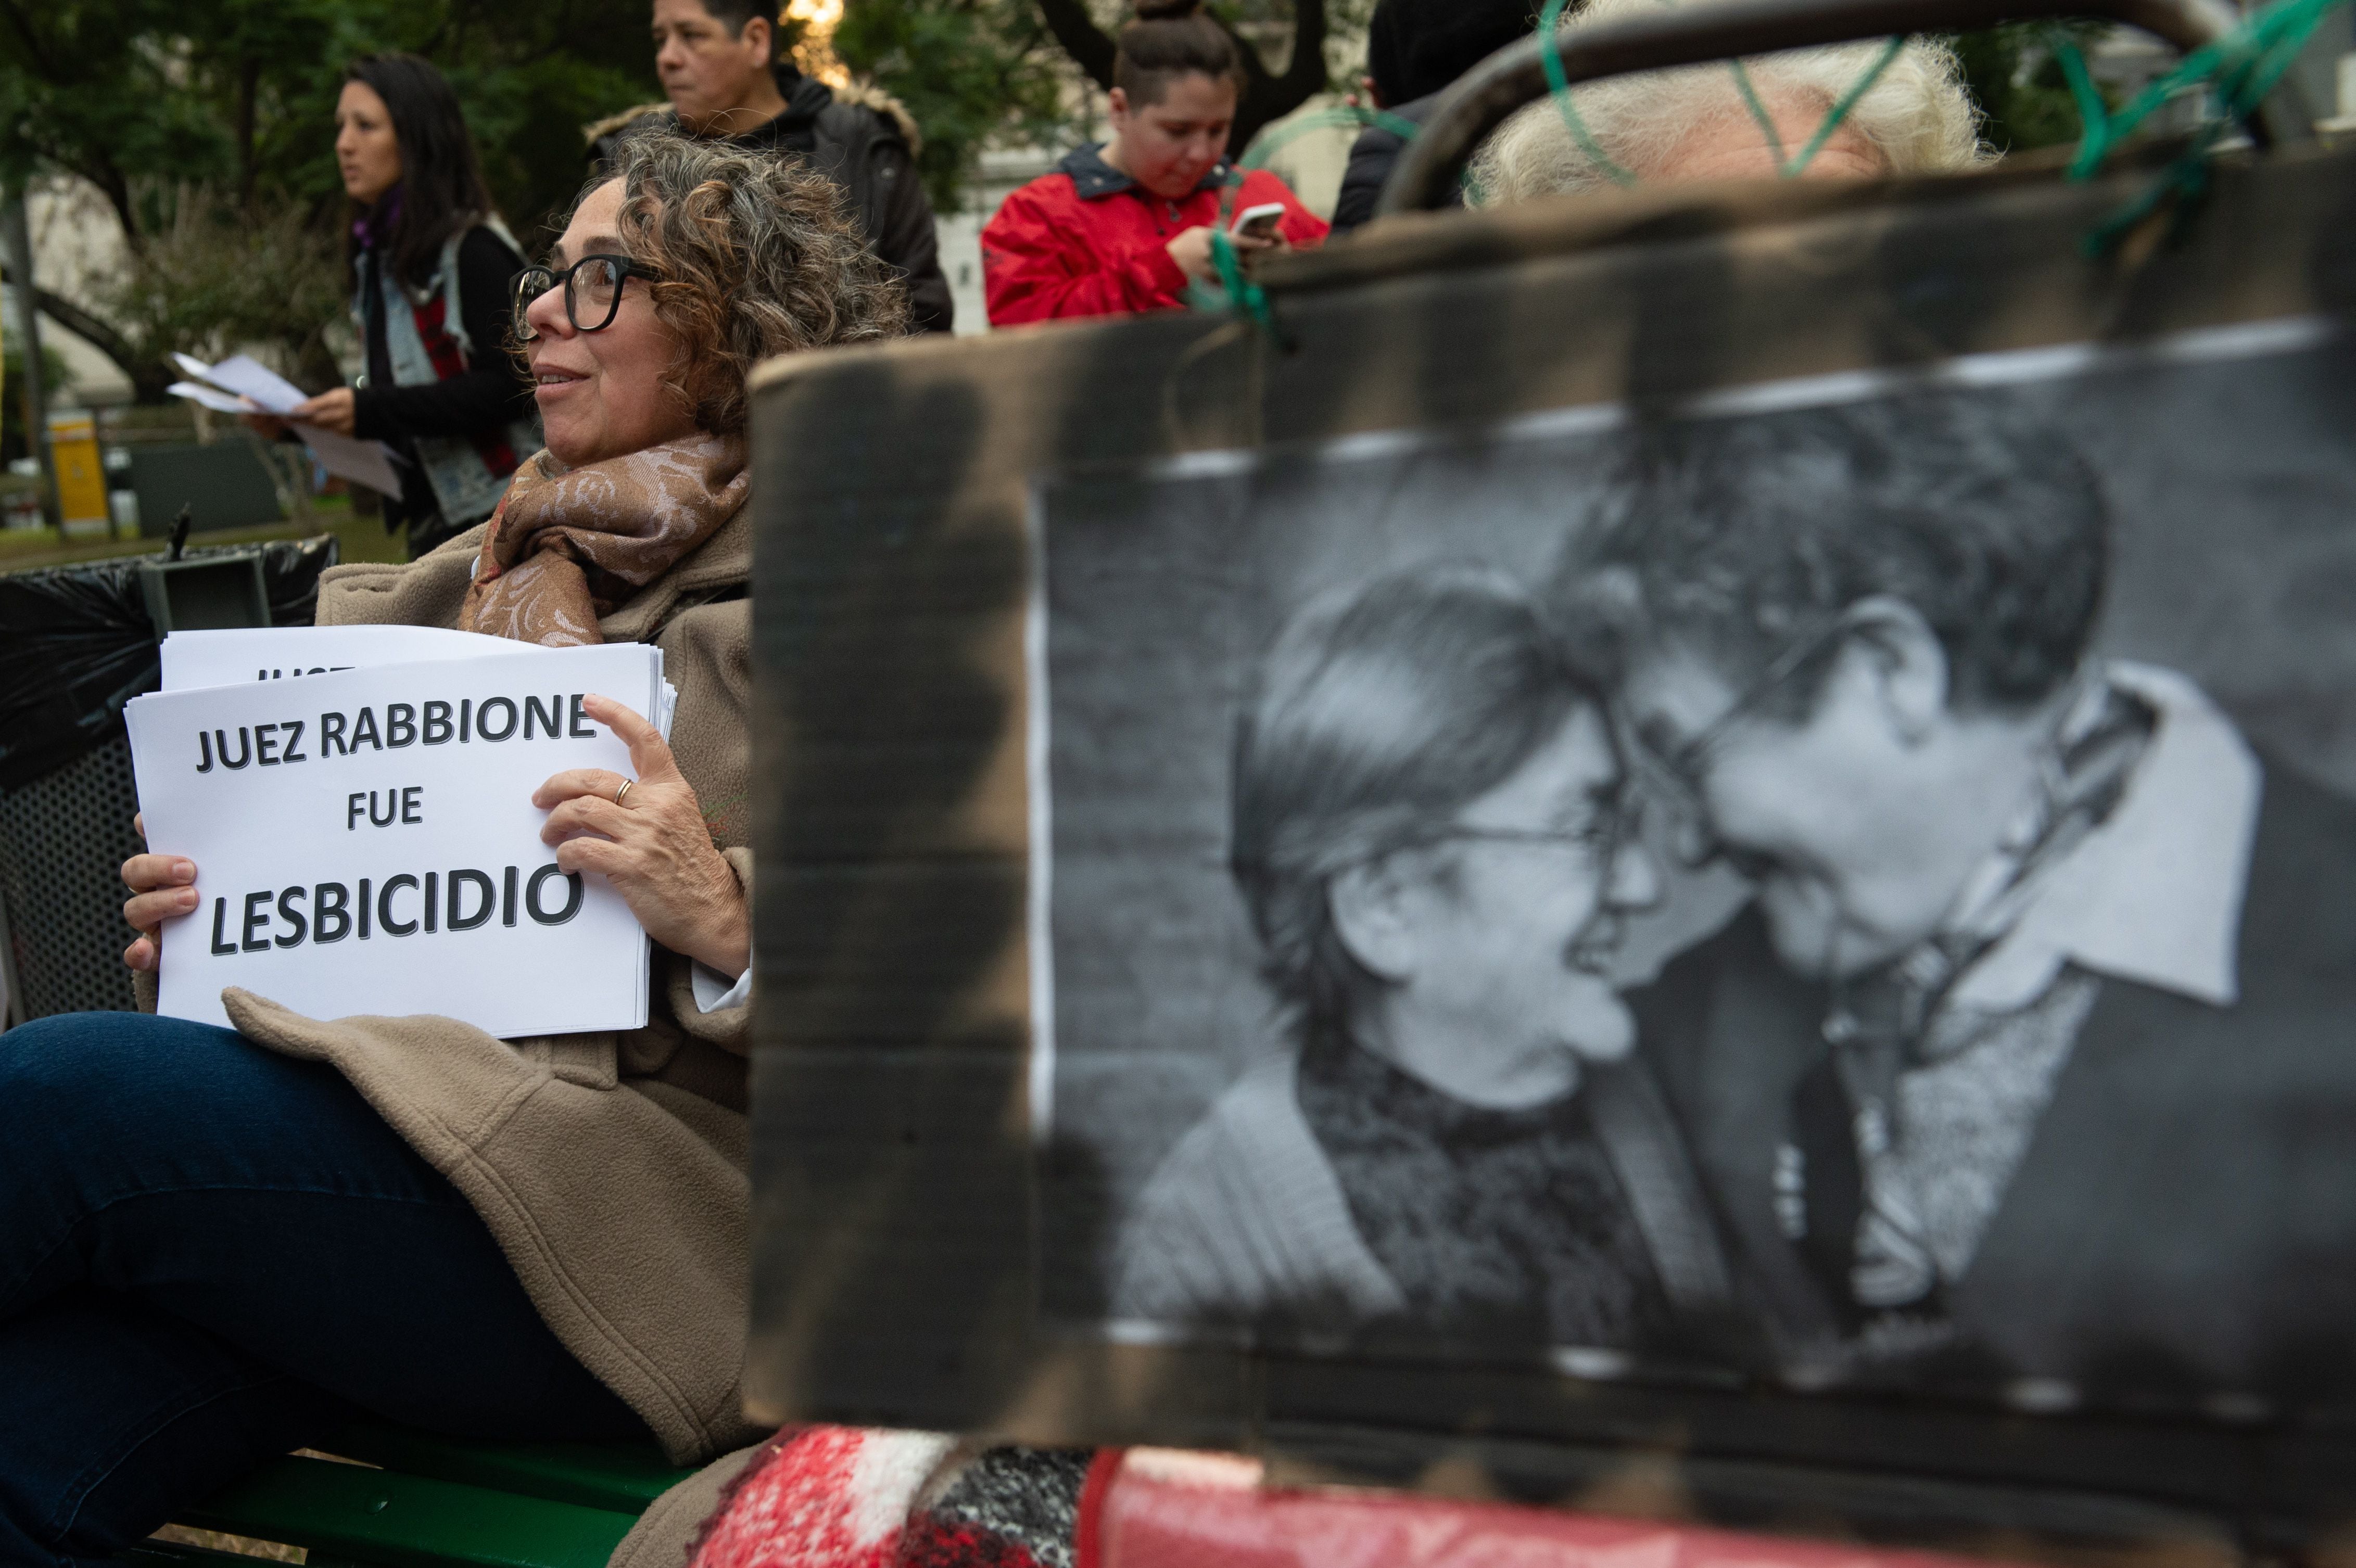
x=361, y=539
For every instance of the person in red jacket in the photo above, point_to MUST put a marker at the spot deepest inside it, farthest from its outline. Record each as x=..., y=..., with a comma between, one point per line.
x=1125, y=227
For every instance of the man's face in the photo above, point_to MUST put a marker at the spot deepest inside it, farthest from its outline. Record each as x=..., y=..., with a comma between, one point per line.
x=706, y=71
x=1829, y=815
x=1514, y=933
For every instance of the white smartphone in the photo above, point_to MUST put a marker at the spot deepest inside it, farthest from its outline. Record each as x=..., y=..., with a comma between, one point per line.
x=1258, y=222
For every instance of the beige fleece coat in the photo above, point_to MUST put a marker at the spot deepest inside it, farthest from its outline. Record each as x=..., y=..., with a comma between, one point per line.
x=612, y=1167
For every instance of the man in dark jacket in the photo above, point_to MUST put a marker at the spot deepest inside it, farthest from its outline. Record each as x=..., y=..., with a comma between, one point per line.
x=1414, y=49
x=2027, y=1070
x=716, y=58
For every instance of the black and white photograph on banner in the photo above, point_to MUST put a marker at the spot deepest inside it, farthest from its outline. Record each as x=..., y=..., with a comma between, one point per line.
x=1856, y=882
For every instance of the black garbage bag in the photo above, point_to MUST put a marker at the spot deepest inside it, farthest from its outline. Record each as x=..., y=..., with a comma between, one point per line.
x=76, y=644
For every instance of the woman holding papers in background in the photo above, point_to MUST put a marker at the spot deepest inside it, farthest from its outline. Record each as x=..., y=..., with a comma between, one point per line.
x=216, y=1246
x=432, y=268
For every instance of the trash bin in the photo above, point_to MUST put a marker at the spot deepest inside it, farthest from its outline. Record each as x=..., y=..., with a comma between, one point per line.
x=76, y=644
x=82, y=479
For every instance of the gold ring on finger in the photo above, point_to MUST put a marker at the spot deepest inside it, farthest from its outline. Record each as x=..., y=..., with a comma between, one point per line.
x=623, y=794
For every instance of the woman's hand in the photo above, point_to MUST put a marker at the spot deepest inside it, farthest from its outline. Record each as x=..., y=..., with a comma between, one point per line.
x=331, y=411
x=655, y=848
x=1192, y=251
x=161, y=886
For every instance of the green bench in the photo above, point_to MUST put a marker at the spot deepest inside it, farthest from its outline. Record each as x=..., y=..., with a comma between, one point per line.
x=433, y=1503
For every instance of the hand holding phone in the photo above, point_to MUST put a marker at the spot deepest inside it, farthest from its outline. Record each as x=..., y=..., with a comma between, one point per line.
x=1258, y=222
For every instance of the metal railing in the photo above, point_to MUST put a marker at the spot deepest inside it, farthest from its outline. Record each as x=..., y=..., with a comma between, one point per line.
x=1428, y=170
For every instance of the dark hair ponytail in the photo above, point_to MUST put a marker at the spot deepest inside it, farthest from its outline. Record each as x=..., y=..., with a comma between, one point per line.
x=1172, y=38
x=442, y=188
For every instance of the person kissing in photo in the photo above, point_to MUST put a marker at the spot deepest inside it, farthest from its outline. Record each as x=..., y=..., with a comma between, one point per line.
x=1433, y=839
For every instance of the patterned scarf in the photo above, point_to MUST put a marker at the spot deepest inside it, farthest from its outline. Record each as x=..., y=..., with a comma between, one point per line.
x=568, y=545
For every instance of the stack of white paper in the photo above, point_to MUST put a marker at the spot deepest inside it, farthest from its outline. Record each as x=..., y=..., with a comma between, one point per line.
x=242, y=385
x=365, y=840
x=193, y=659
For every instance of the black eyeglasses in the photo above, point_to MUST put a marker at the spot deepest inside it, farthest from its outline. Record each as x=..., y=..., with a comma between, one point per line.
x=1617, y=822
x=1679, y=774
x=592, y=285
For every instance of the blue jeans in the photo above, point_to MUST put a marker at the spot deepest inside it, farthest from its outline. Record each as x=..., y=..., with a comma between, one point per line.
x=209, y=1254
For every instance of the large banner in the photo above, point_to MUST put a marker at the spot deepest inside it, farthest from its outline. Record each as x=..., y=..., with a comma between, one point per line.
x=365, y=840
x=1856, y=884
x=1690, y=850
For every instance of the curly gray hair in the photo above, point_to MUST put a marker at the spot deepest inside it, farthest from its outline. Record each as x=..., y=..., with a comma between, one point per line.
x=757, y=256
x=1916, y=118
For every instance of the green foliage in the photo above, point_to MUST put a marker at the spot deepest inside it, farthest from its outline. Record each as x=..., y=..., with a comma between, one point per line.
x=228, y=106
x=2015, y=78
x=530, y=73
x=970, y=72
x=210, y=278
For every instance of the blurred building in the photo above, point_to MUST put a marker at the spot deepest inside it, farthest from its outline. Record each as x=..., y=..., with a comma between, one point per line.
x=76, y=243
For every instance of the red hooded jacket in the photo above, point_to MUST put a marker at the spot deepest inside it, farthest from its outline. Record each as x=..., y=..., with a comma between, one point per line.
x=1089, y=241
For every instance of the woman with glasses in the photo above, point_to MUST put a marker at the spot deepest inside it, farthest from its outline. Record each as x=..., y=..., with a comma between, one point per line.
x=1432, y=837
x=218, y=1245
x=432, y=269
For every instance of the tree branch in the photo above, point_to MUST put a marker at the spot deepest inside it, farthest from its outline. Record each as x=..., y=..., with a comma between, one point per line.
x=1081, y=38
x=23, y=28
x=96, y=333
x=103, y=172
x=1267, y=96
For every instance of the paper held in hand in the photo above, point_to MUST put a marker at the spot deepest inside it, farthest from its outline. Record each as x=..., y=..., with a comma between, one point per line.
x=366, y=843
x=277, y=653
x=242, y=385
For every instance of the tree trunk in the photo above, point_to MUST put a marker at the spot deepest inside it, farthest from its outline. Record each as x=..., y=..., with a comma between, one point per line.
x=16, y=230
x=1266, y=95
x=1081, y=38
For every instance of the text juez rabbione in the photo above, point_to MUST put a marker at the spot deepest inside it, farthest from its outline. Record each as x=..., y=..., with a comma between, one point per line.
x=365, y=839
x=193, y=659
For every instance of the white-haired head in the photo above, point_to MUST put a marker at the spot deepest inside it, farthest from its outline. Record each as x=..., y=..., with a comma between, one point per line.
x=1692, y=121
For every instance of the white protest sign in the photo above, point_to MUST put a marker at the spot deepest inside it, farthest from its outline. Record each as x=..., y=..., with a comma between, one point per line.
x=282, y=653
x=365, y=841
x=277, y=652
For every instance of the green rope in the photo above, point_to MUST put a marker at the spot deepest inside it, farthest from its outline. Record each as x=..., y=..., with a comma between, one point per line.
x=2184, y=182
x=1559, y=83
x=1848, y=100
x=1234, y=291
x=1245, y=295
x=1274, y=139
x=1750, y=101
x=2238, y=70
x=1557, y=80
x=2094, y=113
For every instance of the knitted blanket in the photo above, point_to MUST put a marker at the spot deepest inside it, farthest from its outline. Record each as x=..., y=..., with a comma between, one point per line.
x=839, y=1497
x=833, y=1497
